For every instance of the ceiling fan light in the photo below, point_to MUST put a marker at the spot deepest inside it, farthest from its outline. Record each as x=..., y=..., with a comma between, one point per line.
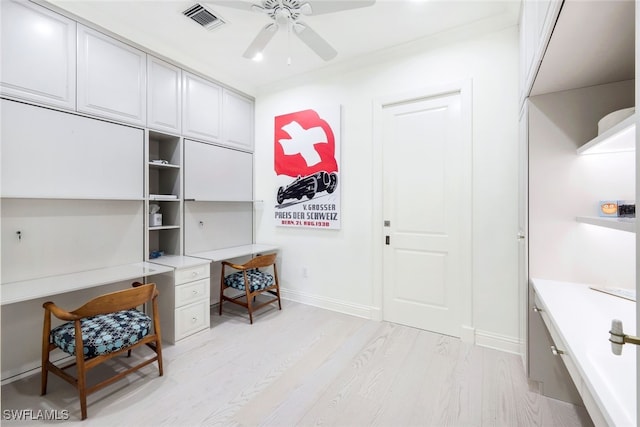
x=258, y=57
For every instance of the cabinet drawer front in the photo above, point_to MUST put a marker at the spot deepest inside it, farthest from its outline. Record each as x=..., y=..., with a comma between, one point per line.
x=192, y=292
x=191, y=319
x=190, y=274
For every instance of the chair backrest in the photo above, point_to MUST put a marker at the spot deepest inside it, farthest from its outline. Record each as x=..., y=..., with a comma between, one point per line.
x=117, y=301
x=261, y=261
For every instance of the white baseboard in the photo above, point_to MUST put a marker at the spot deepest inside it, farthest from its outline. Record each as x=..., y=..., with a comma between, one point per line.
x=498, y=342
x=367, y=312
x=468, y=334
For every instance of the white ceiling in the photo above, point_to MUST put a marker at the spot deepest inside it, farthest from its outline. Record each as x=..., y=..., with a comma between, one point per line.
x=160, y=27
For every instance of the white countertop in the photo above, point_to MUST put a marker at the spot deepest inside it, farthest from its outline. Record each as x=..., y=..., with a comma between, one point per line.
x=583, y=317
x=179, y=261
x=53, y=285
x=234, y=252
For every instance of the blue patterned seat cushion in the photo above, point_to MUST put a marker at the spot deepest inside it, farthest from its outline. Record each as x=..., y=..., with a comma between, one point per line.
x=257, y=279
x=104, y=333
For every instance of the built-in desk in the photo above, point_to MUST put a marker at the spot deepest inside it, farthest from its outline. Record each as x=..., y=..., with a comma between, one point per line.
x=54, y=285
x=579, y=320
x=235, y=252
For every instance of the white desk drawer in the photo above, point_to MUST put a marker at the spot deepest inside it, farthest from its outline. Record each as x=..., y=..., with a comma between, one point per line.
x=192, y=318
x=192, y=292
x=190, y=274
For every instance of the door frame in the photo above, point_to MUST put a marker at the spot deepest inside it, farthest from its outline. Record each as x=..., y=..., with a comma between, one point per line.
x=464, y=88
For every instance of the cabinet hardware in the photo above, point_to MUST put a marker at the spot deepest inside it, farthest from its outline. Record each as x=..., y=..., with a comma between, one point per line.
x=537, y=309
x=387, y=223
x=19, y=234
x=555, y=351
x=387, y=240
x=521, y=236
x=619, y=338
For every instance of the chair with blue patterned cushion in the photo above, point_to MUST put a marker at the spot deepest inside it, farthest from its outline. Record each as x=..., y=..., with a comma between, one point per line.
x=252, y=279
x=103, y=328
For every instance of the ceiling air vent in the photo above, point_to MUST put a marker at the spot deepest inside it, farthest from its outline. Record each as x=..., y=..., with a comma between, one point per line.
x=203, y=17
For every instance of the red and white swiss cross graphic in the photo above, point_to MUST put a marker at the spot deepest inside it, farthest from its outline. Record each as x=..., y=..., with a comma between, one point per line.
x=304, y=144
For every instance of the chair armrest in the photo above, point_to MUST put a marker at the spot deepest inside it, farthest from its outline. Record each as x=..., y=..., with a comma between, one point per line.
x=236, y=266
x=59, y=312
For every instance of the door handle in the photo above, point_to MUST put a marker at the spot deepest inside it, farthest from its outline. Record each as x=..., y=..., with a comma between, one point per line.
x=387, y=240
x=520, y=236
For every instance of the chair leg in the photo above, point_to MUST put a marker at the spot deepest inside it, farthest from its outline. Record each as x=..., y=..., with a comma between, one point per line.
x=82, y=384
x=44, y=376
x=221, y=292
x=250, y=308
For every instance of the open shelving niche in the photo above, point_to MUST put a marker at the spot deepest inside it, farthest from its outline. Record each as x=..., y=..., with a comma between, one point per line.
x=620, y=138
x=164, y=178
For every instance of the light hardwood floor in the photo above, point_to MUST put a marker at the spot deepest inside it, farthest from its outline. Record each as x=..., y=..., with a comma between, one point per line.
x=307, y=366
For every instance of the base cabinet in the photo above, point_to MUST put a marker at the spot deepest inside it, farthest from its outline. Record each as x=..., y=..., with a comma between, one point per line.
x=184, y=297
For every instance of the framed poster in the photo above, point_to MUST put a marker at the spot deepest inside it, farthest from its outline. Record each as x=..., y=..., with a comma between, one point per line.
x=307, y=165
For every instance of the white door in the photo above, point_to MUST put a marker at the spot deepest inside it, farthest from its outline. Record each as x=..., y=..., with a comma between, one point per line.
x=427, y=213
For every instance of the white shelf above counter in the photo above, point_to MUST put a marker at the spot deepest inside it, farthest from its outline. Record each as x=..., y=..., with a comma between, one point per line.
x=53, y=285
x=623, y=224
x=620, y=138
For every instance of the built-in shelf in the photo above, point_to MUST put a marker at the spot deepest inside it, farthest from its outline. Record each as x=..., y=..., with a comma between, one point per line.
x=164, y=227
x=621, y=137
x=163, y=165
x=624, y=224
x=162, y=198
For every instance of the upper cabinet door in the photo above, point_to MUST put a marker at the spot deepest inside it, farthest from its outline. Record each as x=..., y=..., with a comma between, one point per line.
x=202, y=102
x=213, y=173
x=53, y=154
x=111, y=78
x=237, y=121
x=164, y=96
x=38, y=55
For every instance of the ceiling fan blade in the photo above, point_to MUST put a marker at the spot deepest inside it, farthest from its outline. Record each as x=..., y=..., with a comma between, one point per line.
x=314, y=41
x=319, y=7
x=260, y=42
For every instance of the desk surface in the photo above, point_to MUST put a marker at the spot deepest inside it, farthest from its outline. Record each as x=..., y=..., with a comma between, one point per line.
x=583, y=317
x=234, y=252
x=53, y=285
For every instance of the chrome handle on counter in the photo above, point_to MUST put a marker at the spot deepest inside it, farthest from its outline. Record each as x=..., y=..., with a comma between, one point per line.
x=619, y=338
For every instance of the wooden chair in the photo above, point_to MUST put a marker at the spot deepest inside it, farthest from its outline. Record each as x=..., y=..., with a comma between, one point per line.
x=252, y=281
x=104, y=327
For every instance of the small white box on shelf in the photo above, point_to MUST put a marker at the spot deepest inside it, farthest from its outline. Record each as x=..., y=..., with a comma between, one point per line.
x=155, y=220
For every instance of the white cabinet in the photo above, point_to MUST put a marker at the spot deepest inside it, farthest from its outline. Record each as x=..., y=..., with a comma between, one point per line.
x=52, y=154
x=164, y=96
x=184, y=297
x=38, y=55
x=111, y=78
x=202, y=103
x=536, y=24
x=237, y=121
x=213, y=173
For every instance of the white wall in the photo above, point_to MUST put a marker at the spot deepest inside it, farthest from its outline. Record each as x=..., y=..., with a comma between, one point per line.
x=564, y=185
x=340, y=264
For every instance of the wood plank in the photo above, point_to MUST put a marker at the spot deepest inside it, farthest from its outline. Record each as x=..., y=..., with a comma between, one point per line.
x=304, y=365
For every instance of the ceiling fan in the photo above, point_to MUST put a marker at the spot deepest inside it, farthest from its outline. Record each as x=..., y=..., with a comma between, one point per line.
x=285, y=14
